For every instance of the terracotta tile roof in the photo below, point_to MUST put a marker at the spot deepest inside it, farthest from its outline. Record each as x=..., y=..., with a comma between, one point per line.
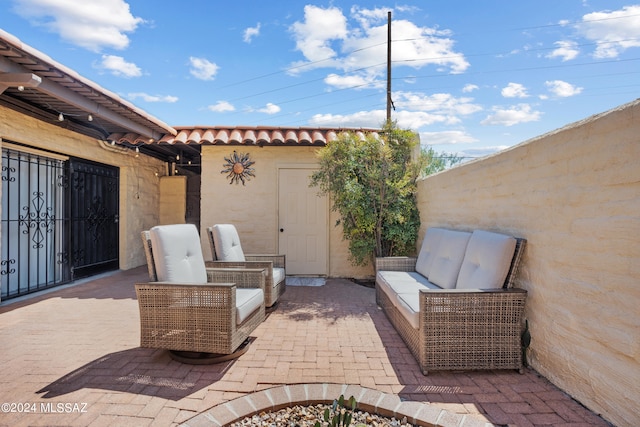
x=245, y=135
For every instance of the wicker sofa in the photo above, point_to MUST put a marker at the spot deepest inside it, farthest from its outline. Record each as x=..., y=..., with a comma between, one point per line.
x=454, y=305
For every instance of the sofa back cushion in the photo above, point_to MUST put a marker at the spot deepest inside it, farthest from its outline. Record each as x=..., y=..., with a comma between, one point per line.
x=428, y=249
x=177, y=254
x=487, y=261
x=448, y=258
x=227, y=243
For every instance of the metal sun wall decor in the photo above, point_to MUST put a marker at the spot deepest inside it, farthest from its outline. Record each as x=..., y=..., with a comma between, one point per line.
x=238, y=168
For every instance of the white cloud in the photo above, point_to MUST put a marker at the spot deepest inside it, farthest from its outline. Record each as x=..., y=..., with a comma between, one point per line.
x=202, y=68
x=370, y=119
x=326, y=38
x=443, y=105
x=117, y=66
x=93, y=25
x=514, y=115
x=152, y=98
x=270, y=108
x=321, y=26
x=613, y=31
x=375, y=118
x=514, y=90
x=469, y=88
x=352, y=81
x=448, y=137
x=250, y=33
x=562, y=89
x=566, y=50
x=221, y=107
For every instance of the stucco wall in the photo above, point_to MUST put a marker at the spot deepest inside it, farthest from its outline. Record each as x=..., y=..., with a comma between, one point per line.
x=253, y=208
x=139, y=185
x=575, y=195
x=173, y=199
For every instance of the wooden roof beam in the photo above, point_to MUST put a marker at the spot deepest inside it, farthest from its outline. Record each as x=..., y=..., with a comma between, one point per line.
x=19, y=80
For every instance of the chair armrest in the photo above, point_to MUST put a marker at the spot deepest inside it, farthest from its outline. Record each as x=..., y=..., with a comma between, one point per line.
x=268, y=265
x=396, y=263
x=155, y=296
x=241, y=277
x=483, y=305
x=279, y=260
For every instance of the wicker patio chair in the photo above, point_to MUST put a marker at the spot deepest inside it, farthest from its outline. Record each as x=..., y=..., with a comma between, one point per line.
x=202, y=315
x=227, y=252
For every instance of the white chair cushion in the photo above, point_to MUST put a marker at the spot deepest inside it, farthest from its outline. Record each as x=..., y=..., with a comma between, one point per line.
x=247, y=301
x=395, y=282
x=409, y=306
x=278, y=275
x=448, y=258
x=487, y=261
x=427, y=251
x=227, y=243
x=399, y=286
x=177, y=254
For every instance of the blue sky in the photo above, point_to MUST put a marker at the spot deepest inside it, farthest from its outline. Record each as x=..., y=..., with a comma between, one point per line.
x=472, y=77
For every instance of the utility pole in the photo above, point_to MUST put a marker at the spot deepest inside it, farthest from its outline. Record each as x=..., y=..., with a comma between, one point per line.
x=389, y=67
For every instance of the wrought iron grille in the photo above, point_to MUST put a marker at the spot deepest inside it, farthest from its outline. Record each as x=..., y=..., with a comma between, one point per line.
x=33, y=230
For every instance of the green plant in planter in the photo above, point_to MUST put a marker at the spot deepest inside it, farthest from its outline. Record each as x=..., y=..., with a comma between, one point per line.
x=340, y=413
x=372, y=185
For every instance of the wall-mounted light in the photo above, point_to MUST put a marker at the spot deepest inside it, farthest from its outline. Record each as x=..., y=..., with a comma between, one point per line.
x=60, y=117
x=21, y=88
x=113, y=142
x=137, y=152
x=90, y=118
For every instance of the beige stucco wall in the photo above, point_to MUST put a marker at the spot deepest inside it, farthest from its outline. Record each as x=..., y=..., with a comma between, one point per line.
x=173, y=199
x=575, y=195
x=139, y=185
x=253, y=208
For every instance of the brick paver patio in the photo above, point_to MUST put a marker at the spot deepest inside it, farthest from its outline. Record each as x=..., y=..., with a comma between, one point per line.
x=71, y=357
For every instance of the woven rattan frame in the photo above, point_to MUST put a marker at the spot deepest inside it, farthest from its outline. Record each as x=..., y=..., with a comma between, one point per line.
x=196, y=318
x=268, y=261
x=461, y=329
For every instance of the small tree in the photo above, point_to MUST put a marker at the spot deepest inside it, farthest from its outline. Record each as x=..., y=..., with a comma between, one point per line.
x=372, y=184
x=436, y=162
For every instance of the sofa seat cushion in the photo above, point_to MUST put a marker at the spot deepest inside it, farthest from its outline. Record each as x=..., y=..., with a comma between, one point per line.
x=448, y=258
x=403, y=283
x=177, y=254
x=427, y=253
x=487, y=260
x=248, y=300
x=396, y=282
x=278, y=275
x=408, y=304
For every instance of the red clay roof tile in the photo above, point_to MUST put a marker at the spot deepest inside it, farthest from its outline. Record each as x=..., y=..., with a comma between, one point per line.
x=246, y=135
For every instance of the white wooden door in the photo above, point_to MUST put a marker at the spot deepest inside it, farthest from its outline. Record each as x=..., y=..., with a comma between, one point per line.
x=303, y=229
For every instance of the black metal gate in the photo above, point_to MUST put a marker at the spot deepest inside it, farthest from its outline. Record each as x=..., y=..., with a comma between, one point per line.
x=93, y=212
x=59, y=221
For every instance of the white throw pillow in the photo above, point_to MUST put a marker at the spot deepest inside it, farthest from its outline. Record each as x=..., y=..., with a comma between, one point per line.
x=487, y=261
x=448, y=258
